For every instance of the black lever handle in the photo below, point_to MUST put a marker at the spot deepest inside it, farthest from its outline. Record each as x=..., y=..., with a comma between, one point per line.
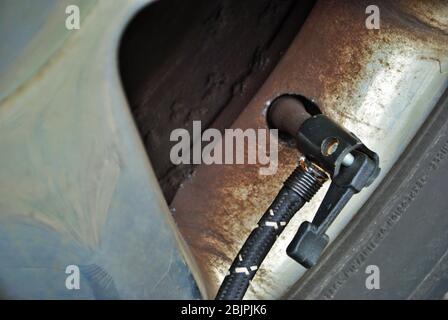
x=310, y=240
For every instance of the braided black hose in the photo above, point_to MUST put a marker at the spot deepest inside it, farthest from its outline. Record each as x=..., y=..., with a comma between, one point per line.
x=299, y=188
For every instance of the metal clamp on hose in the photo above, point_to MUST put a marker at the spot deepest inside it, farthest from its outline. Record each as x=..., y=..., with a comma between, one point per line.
x=327, y=149
x=351, y=166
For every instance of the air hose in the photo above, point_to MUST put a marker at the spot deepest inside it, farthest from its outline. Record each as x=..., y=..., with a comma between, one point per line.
x=298, y=189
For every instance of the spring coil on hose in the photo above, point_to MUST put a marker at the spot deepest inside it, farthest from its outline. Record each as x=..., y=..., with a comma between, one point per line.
x=306, y=180
x=298, y=189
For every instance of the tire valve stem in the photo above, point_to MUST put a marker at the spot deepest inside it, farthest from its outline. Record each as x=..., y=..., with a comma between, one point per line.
x=328, y=150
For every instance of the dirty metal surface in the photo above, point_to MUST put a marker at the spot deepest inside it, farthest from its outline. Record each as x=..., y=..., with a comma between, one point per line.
x=380, y=84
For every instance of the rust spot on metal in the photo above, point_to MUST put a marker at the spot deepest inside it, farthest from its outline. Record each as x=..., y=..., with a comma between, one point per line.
x=431, y=13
